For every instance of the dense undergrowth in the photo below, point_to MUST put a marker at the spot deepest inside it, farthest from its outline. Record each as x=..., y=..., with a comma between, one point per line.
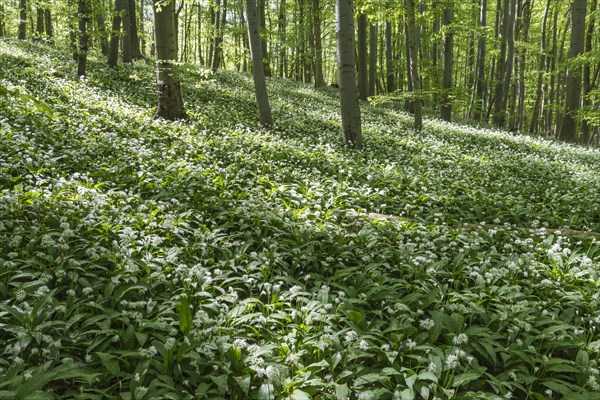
x=213, y=259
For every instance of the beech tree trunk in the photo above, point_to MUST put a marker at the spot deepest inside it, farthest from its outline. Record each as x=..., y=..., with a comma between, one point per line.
x=363, y=83
x=587, y=73
x=2, y=19
x=103, y=35
x=22, y=19
x=414, y=68
x=446, y=108
x=318, y=61
x=480, y=85
x=501, y=66
x=113, y=51
x=372, y=59
x=170, y=101
x=282, y=40
x=533, y=125
x=568, y=130
x=258, y=72
x=349, y=104
x=389, y=58
x=48, y=25
x=83, y=14
x=39, y=25
x=126, y=38
x=134, y=40
x=262, y=4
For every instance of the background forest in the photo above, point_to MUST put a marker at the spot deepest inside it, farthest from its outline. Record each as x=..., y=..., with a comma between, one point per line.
x=521, y=65
x=219, y=240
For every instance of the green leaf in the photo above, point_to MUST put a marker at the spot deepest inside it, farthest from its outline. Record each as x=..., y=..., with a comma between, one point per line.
x=341, y=391
x=243, y=382
x=407, y=394
x=466, y=378
x=300, y=395
x=111, y=364
x=186, y=323
x=266, y=392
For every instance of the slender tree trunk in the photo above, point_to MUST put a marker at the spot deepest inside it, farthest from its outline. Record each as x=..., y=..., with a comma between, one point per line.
x=499, y=110
x=170, y=101
x=126, y=38
x=258, y=72
x=520, y=115
x=372, y=59
x=84, y=17
x=414, y=68
x=510, y=57
x=2, y=19
x=319, y=80
x=550, y=104
x=142, y=33
x=39, y=26
x=349, y=104
x=446, y=108
x=262, y=5
x=363, y=83
x=136, y=53
x=282, y=40
x=113, y=53
x=480, y=84
x=568, y=130
x=533, y=125
x=22, y=19
x=560, y=77
x=218, y=44
x=409, y=104
x=103, y=35
x=587, y=73
x=389, y=58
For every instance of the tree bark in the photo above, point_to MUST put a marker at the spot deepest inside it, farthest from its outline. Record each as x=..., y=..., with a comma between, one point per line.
x=389, y=58
x=262, y=5
x=170, y=101
x=2, y=19
x=48, y=25
x=501, y=66
x=22, y=19
x=414, y=68
x=84, y=17
x=113, y=53
x=39, y=25
x=446, y=107
x=480, y=66
x=349, y=104
x=136, y=53
x=533, y=125
x=372, y=59
x=318, y=61
x=363, y=83
x=587, y=73
x=282, y=40
x=218, y=41
x=126, y=38
x=520, y=115
x=568, y=130
x=258, y=72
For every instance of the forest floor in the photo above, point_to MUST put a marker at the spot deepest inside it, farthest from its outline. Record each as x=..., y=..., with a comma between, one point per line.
x=213, y=259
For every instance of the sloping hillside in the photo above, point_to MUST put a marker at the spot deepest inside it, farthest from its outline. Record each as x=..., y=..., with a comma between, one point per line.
x=147, y=259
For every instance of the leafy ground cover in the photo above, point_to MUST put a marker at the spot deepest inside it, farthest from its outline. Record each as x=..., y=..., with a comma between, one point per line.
x=213, y=259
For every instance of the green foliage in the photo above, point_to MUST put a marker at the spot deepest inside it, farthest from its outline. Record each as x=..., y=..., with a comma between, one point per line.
x=147, y=259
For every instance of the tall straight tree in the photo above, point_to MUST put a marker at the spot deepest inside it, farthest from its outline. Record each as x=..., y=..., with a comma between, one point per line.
x=533, y=125
x=568, y=129
x=389, y=58
x=22, y=19
x=448, y=62
x=2, y=19
x=126, y=38
x=363, y=82
x=84, y=18
x=318, y=61
x=262, y=6
x=587, y=72
x=48, y=23
x=349, y=105
x=170, y=101
x=480, y=83
x=258, y=71
x=134, y=39
x=372, y=58
x=413, y=70
x=115, y=33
